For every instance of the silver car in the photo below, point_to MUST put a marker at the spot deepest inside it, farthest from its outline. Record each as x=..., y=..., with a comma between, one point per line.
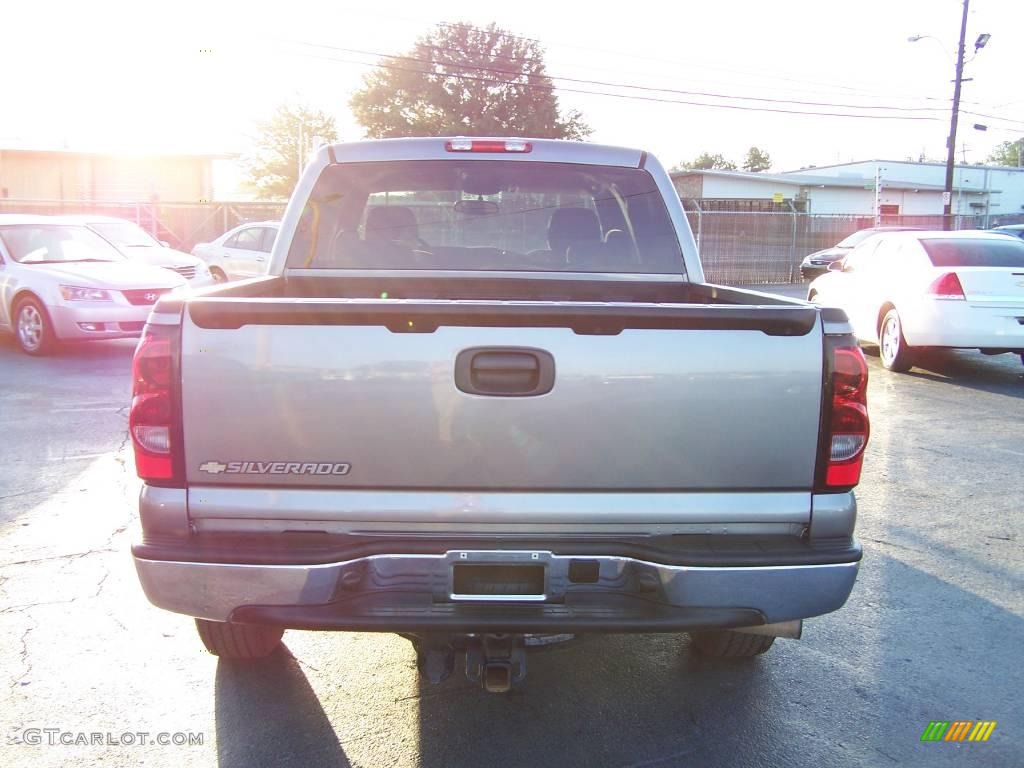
x=241, y=252
x=139, y=245
x=63, y=282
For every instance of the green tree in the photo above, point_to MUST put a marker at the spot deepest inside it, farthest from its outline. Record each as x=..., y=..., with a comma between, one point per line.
x=707, y=162
x=464, y=80
x=284, y=142
x=1006, y=153
x=757, y=161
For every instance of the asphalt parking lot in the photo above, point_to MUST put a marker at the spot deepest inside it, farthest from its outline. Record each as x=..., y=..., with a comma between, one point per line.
x=933, y=630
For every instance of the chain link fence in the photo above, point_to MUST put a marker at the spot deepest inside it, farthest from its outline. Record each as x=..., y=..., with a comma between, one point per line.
x=736, y=248
x=180, y=225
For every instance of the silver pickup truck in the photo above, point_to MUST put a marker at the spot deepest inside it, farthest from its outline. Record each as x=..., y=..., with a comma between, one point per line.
x=485, y=397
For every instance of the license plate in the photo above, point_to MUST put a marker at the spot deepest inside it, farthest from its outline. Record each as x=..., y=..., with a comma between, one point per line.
x=498, y=581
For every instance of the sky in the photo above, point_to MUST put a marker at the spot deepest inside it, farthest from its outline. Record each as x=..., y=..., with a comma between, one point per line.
x=196, y=77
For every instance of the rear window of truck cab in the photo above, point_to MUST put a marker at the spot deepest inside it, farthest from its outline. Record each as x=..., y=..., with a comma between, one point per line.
x=486, y=215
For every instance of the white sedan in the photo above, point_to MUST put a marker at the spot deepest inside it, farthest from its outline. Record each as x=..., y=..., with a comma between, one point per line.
x=240, y=252
x=910, y=290
x=138, y=245
x=63, y=282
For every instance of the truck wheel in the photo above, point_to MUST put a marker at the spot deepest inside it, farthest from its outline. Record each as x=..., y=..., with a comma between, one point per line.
x=896, y=354
x=238, y=641
x=32, y=327
x=727, y=644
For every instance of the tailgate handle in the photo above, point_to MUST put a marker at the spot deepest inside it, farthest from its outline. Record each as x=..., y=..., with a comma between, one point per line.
x=505, y=371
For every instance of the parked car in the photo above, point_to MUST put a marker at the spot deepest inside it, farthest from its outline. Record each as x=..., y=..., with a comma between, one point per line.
x=1016, y=230
x=912, y=290
x=63, y=282
x=515, y=408
x=239, y=252
x=139, y=245
x=816, y=264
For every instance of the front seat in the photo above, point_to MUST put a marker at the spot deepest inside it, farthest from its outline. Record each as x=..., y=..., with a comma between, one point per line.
x=575, y=228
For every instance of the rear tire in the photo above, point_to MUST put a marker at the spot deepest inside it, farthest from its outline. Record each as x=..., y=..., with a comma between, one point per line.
x=238, y=641
x=728, y=644
x=32, y=327
x=896, y=354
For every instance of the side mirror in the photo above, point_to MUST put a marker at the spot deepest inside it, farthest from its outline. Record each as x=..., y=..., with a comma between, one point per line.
x=837, y=266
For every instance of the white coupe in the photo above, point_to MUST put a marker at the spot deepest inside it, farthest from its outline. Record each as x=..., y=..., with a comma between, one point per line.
x=911, y=290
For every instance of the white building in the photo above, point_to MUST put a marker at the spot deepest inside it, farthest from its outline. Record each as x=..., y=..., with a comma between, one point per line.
x=904, y=189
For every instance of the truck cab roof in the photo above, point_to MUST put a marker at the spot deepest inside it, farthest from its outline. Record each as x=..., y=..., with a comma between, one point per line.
x=441, y=148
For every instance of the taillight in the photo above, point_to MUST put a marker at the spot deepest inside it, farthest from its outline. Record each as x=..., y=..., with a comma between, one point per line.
x=154, y=421
x=947, y=287
x=488, y=145
x=847, y=417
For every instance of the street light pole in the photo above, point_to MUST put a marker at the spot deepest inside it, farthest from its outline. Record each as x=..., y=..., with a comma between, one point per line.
x=947, y=195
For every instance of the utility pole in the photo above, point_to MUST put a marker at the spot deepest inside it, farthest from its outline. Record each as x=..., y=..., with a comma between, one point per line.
x=947, y=195
x=878, y=196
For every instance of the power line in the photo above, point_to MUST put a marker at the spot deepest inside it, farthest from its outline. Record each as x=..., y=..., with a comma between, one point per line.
x=491, y=81
x=868, y=92
x=992, y=117
x=618, y=70
x=611, y=84
x=655, y=99
x=829, y=86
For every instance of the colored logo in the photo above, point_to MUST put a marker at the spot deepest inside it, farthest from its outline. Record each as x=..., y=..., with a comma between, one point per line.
x=958, y=730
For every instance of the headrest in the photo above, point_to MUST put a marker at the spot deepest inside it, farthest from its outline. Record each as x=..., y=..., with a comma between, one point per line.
x=391, y=222
x=573, y=226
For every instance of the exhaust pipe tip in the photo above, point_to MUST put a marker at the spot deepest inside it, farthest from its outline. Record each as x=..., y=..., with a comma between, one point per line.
x=791, y=629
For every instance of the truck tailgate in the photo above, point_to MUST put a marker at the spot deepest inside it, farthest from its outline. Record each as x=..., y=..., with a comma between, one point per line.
x=366, y=394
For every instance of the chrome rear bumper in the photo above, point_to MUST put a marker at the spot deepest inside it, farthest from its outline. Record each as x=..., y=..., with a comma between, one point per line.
x=416, y=592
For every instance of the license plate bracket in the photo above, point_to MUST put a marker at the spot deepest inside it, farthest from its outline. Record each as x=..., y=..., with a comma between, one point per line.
x=498, y=575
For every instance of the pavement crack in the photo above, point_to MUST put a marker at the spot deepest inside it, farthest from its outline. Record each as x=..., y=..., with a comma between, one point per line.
x=893, y=544
x=886, y=754
x=460, y=689
x=300, y=662
x=24, y=654
x=28, y=606
x=305, y=664
x=99, y=587
x=114, y=534
x=124, y=443
x=71, y=556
